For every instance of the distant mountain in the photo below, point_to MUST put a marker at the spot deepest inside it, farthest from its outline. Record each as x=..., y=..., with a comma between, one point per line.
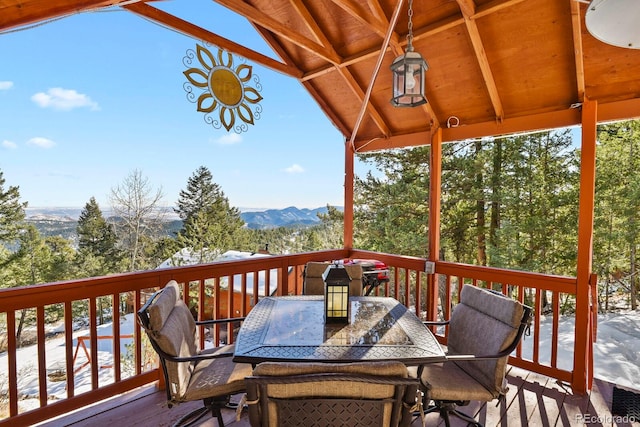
x=288, y=217
x=64, y=219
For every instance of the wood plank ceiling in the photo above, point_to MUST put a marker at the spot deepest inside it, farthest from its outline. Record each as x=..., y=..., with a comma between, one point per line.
x=495, y=66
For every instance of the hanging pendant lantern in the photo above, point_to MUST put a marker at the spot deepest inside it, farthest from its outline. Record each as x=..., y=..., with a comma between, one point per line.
x=408, y=74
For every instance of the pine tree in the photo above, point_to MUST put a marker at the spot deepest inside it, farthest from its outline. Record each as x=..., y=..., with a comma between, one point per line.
x=11, y=212
x=96, y=241
x=200, y=193
x=210, y=225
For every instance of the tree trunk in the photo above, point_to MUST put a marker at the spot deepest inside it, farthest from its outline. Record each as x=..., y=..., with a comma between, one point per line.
x=496, y=179
x=23, y=314
x=480, y=215
x=633, y=280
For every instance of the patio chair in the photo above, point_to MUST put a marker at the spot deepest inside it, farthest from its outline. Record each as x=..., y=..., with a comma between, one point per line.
x=313, y=283
x=190, y=375
x=330, y=394
x=484, y=329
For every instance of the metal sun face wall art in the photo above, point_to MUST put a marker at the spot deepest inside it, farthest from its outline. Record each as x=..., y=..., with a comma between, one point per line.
x=226, y=99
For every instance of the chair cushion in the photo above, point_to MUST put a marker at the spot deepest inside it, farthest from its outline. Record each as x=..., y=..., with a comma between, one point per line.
x=163, y=305
x=328, y=388
x=496, y=305
x=217, y=377
x=355, y=272
x=174, y=332
x=484, y=323
x=313, y=283
x=315, y=269
x=446, y=381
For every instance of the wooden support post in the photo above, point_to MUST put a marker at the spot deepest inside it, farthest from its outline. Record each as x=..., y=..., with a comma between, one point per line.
x=583, y=351
x=349, y=175
x=435, y=185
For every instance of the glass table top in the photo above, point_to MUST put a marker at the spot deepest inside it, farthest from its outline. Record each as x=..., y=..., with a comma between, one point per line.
x=293, y=329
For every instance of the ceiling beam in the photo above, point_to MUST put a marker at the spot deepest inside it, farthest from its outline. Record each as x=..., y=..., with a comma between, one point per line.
x=468, y=9
x=576, y=23
x=509, y=126
x=346, y=74
x=263, y=20
x=612, y=111
x=359, y=13
x=199, y=33
x=494, y=6
x=27, y=13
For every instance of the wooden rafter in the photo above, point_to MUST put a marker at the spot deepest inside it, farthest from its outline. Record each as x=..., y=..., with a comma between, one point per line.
x=359, y=13
x=494, y=6
x=468, y=9
x=375, y=70
x=31, y=12
x=265, y=21
x=576, y=22
x=357, y=90
x=199, y=33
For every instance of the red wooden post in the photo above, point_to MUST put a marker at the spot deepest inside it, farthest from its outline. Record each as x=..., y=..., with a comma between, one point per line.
x=349, y=155
x=582, y=359
x=435, y=182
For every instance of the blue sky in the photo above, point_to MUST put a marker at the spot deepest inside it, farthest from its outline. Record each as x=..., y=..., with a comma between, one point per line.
x=87, y=99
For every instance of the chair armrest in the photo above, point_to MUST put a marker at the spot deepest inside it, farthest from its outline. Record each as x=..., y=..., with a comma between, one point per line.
x=193, y=358
x=218, y=321
x=472, y=358
x=435, y=322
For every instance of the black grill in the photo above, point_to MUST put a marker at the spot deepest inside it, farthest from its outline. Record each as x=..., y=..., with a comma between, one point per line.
x=625, y=403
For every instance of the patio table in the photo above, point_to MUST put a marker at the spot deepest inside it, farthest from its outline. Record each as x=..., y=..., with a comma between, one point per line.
x=292, y=328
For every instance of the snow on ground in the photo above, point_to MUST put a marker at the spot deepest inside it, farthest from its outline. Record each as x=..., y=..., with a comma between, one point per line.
x=616, y=352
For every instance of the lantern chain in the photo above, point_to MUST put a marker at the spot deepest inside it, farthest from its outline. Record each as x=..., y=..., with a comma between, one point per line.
x=410, y=26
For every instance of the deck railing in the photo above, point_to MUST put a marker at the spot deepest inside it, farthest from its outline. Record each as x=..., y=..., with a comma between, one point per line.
x=84, y=377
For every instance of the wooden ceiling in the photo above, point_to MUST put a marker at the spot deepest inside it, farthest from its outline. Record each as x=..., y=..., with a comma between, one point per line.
x=495, y=66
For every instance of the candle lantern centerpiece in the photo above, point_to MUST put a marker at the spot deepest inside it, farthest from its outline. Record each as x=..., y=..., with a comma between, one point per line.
x=336, y=294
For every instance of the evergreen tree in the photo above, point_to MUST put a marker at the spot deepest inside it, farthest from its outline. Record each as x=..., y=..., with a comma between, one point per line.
x=210, y=225
x=31, y=264
x=63, y=257
x=391, y=212
x=11, y=212
x=510, y=203
x=97, y=241
x=617, y=210
x=201, y=192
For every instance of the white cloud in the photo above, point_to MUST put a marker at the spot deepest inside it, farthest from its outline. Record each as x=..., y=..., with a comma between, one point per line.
x=294, y=168
x=229, y=139
x=63, y=99
x=5, y=85
x=41, y=142
x=9, y=144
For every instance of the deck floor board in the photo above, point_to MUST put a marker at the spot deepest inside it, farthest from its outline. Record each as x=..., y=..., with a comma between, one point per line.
x=532, y=400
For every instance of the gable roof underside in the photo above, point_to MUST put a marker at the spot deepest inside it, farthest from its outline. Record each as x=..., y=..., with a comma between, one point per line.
x=495, y=67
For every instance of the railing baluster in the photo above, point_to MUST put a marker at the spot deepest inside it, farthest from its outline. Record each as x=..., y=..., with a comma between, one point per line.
x=42, y=354
x=11, y=361
x=115, y=316
x=68, y=347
